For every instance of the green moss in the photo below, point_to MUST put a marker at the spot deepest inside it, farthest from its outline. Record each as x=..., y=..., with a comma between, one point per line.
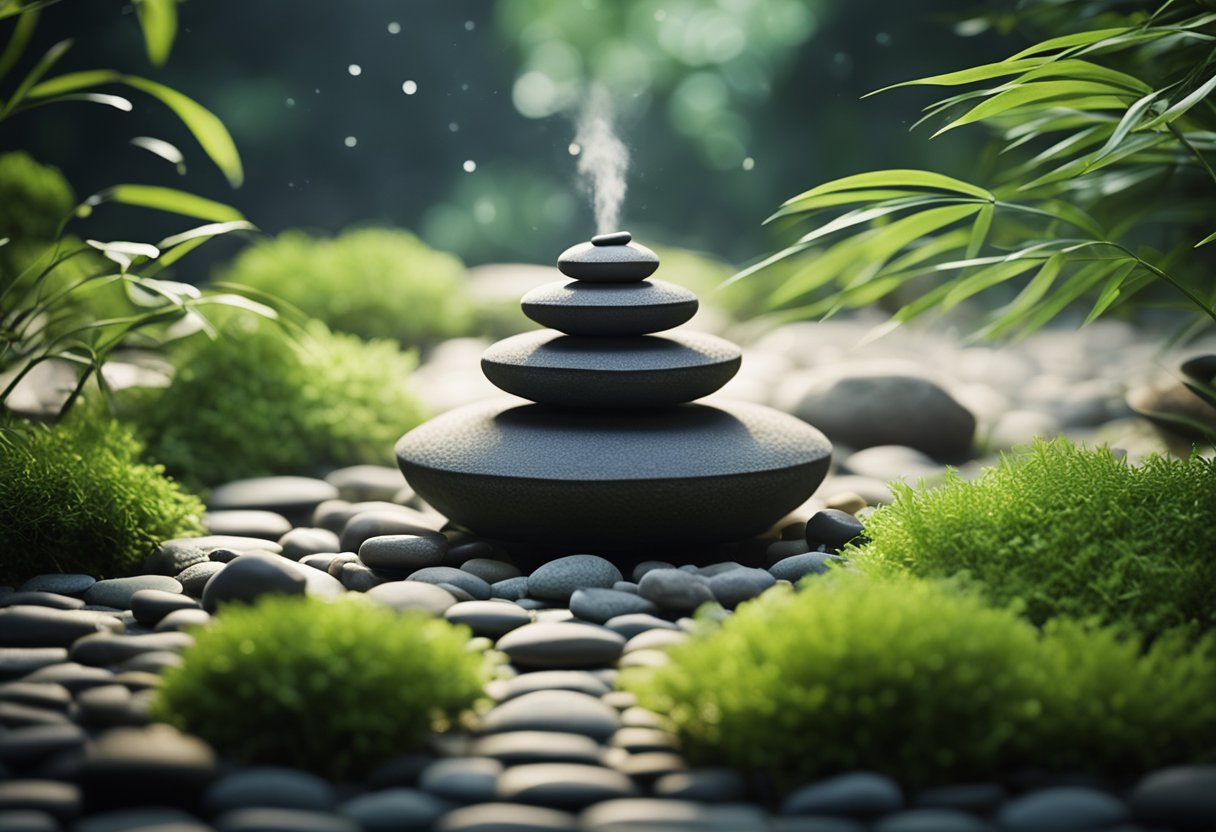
x=1068, y=530
x=373, y=282
x=331, y=687
x=928, y=684
x=75, y=498
x=255, y=401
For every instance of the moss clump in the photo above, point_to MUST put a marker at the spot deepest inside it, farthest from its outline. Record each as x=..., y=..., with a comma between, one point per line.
x=1069, y=531
x=927, y=684
x=331, y=687
x=372, y=282
x=255, y=401
x=76, y=498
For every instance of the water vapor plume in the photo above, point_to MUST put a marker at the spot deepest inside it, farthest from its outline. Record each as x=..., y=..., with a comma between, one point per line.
x=603, y=159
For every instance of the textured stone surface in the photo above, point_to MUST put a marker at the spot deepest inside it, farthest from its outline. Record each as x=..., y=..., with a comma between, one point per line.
x=581, y=308
x=561, y=644
x=558, y=579
x=626, y=263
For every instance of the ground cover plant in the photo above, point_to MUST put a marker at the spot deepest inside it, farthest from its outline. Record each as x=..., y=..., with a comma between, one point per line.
x=927, y=683
x=333, y=687
x=1067, y=530
x=77, y=498
x=372, y=282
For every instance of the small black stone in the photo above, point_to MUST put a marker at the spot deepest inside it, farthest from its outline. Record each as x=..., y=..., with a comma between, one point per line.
x=616, y=238
x=833, y=528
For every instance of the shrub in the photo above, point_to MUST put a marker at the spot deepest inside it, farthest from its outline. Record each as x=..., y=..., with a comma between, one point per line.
x=334, y=687
x=255, y=401
x=75, y=498
x=925, y=683
x=1070, y=531
x=373, y=282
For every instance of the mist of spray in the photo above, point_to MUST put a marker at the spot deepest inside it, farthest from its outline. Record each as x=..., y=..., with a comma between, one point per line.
x=603, y=159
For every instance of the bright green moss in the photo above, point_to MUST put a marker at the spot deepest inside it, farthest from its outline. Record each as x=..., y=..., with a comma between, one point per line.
x=928, y=684
x=254, y=401
x=373, y=282
x=75, y=498
x=331, y=687
x=1068, y=530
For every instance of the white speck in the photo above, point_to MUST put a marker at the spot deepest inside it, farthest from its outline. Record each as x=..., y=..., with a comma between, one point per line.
x=749, y=163
x=355, y=69
x=317, y=91
x=453, y=126
x=574, y=149
x=882, y=39
x=291, y=102
x=469, y=166
x=291, y=184
x=350, y=141
x=469, y=25
x=409, y=87
x=394, y=28
x=464, y=87
x=484, y=211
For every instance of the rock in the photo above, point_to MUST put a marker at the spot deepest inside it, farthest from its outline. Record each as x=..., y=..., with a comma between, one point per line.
x=491, y=619
x=358, y=578
x=23, y=626
x=22, y=747
x=237, y=543
x=519, y=747
x=475, y=586
x=649, y=566
x=151, y=605
x=625, y=586
x=1062, y=809
x=44, y=695
x=507, y=817
x=850, y=502
x=269, y=787
x=650, y=814
x=60, y=800
x=732, y=588
x=706, y=785
x=117, y=592
x=675, y=590
x=561, y=644
x=616, y=262
x=563, y=785
x=361, y=483
x=251, y=576
x=1181, y=797
x=180, y=620
x=637, y=740
x=377, y=523
x=657, y=639
x=462, y=779
x=932, y=820
x=107, y=649
x=576, y=680
x=69, y=675
x=172, y=556
x=797, y=567
x=16, y=662
x=109, y=706
x=28, y=820
x=293, y=497
x=973, y=798
x=860, y=795
x=582, y=308
x=832, y=529
x=560, y=711
x=630, y=625
x=305, y=540
x=558, y=579
x=491, y=571
x=1173, y=407
x=395, y=810
x=404, y=552
x=863, y=406
x=404, y=596
x=893, y=462
x=125, y=765
x=141, y=820
x=511, y=589
x=600, y=605
x=59, y=584
x=284, y=820
x=247, y=523
x=194, y=578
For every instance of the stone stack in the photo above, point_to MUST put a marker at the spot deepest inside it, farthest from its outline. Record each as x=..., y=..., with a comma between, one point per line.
x=612, y=454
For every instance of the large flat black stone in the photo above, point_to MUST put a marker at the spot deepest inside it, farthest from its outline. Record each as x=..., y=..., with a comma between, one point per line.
x=678, y=475
x=623, y=371
x=577, y=307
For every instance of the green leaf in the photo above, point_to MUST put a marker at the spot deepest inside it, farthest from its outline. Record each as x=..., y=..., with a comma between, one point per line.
x=1206, y=240
x=1110, y=292
x=163, y=149
x=1009, y=316
x=12, y=8
x=115, y=101
x=168, y=199
x=864, y=215
x=979, y=231
x=179, y=245
x=1020, y=95
x=984, y=279
x=73, y=81
x=1178, y=109
x=899, y=178
x=158, y=19
x=48, y=60
x=1126, y=125
x=208, y=130
x=240, y=302
x=805, y=205
x=968, y=76
x=1067, y=41
x=15, y=48
x=1075, y=69
x=1078, y=284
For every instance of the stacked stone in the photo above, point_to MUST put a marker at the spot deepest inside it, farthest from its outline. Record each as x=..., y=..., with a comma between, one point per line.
x=612, y=454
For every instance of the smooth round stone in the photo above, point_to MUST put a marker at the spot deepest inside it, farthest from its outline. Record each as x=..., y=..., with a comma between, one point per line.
x=735, y=586
x=149, y=606
x=286, y=495
x=623, y=263
x=141, y=820
x=563, y=785
x=179, y=620
x=682, y=475
x=638, y=740
x=633, y=623
x=708, y=785
x=832, y=528
x=404, y=552
x=648, y=813
x=582, y=308
x=194, y=578
x=412, y=596
x=513, y=589
x=657, y=639
x=861, y=794
x=489, y=570
x=1183, y=797
x=560, y=711
x=675, y=590
x=575, y=680
x=126, y=765
x=477, y=588
x=1062, y=809
x=117, y=592
x=45, y=695
x=519, y=747
x=558, y=579
x=60, y=584
x=269, y=787
x=23, y=746
x=71, y=676
x=601, y=605
x=797, y=567
x=61, y=800
x=284, y=820
x=491, y=619
x=616, y=372
x=107, y=649
x=972, y=798
x=932, y=820
x=51, y=600
x=462, y=779
x=303, y=541
x=395, y=809
x=507, y=817
x=247, y=523
x=250, y=577
x=561, y=644
x=379, y=522
x=23, y=626
x=612, y=238
x=359, y=483
x=30, y=820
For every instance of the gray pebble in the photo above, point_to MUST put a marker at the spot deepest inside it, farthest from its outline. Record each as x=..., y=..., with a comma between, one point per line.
x=932, y=820
x=974, y=798
x=563, y=785
x=562, y=711
x=735, y=586
x=107, y=649
x=561, y=644
x=718, y=568
x=269, y=787
x=117, y=592
x=706, y=785
x=674, y=590
x=21, y=747
x=626, y=586
x=125, y=765
x=1181, y=796
x=457, y=592
x=70, y=675
x=267, y=525
x=657, y=639
x=491, y=571
x=61, y=800
x=600, y=605
x=558, y=579
x=513, y=589
x=306, y=540
x=404, y=552
x=507, y=817
x=462, y=779
x=395, y=810
x=45, y=695
x=519, y=747
x=250, y=577
x=141, y=820
x=182, y=620
x=284, y=820
x=475, y=586
x=674, y=815
x=172, y=556
x=16, y=662
x=634, y=623
x=375, y=523
x=405, y=596
x=194, y=578
x=491, y=619
x=59, y=583
x=287, y=495
x=149, y=606
x=359, y=483
x=797, y=567
x=22, y=626
x=29, y=820
x=575, y=680
x=50, y=600
x=1062, y=809
x=358, y=578
x=860, y=794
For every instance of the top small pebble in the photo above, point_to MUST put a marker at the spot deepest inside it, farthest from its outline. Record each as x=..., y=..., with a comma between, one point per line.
x=609, y=258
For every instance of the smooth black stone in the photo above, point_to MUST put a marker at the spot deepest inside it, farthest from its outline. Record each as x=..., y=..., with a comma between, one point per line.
x=561, y=644
x=378, y=522
x=269, y=787
x=932, y=820
x=611, y=372
x=579, y=681
x=154, y=819
x=72, y=676
x=395, y=809
x=24, y=626
x=249, y=577
x=246, y=522
x=507, y=817
x=562, y=711
x=1183, y=797
x=631, y=481
x=284, y=820
x=50, y=600
x=1201, y=368
x=194, y=578
x=581, y=308
x=28, y=820
x=558, y=579
x=406, y=552
x=630, y=624
x=861, y=794
x=59, y=583
x=614, y=238
x=106, y=649
x=24, y=746
x=293, y=497
x=491, y=619
x=490, y=570
x=126, y=765
x=19, y=661
x=708, y=785
x=563, y=785
x=303, y=541
x=462, y=779
x=406, y=596
x=832, y=528
x=600, y=605
x=149, y=606
x=477, y=589
x=45, y=695
x=797, y=567
x=627, y=263
x=62, y=800
x=518, y=747
x=1062, y=809
x=675, y=590
x=117, y=592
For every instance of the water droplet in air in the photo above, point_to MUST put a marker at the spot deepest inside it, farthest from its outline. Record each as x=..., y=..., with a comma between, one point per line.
x=464, y=87
x=453, y=126
x=394, y=28
x=749, y=163
x=469, y=166
x=355, y=69
x=350, y=141
x=469, y=25
x=574, y=149
x=291, y=102
x=409, y=87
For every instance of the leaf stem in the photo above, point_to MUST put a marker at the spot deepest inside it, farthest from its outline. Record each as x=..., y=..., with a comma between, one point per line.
x=1180, y=136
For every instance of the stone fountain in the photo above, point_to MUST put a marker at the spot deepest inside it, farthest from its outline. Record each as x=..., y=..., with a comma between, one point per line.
x=611, y=454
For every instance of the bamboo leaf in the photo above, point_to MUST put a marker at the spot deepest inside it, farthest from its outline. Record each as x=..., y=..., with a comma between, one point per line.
x=235, y=301
x=163, y=149
x=167, y=199
x=15, y=48
x=1067, y=41
x=1178, y=109
x=179, y=245
x=1126, y=124
x=985, y=72
x=1206, y=240
x=799, y=205
x=208, y=130
x=1080, y=70
x=1022, y=95
x=48, y=60
x=984, y=279
x=1008, y=317
x=1110, y=292
x=899, y=178
x=115, y=101
x=1078, y=284
x=865, y=215
x=123, y=247
x=73, y=81
x=158, y=19
x=979, y=231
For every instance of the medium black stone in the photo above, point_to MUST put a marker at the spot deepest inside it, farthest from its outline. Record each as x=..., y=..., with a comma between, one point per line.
x=832, y=528
x=623, y=371
x=627, y=263
x=581, y=308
